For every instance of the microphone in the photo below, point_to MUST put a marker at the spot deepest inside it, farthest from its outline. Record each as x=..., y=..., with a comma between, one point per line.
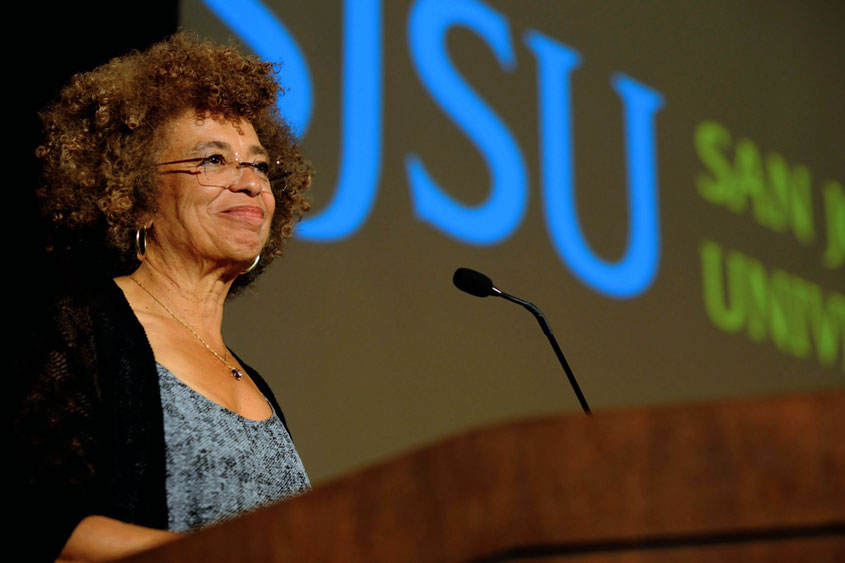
x=472, y=282
x=476, y=283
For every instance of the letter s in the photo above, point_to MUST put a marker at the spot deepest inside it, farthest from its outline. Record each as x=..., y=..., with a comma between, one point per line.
x=496, y=218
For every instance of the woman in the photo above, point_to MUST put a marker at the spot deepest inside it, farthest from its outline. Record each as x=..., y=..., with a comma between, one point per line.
x=171, y=182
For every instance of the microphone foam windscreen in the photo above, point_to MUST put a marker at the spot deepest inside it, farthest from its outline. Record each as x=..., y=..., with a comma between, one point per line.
x=474, y=283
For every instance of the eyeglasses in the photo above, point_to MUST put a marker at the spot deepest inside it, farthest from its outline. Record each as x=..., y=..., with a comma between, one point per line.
x=216, y=171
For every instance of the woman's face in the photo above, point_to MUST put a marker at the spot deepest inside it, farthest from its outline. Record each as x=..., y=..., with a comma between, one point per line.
x=227, y=222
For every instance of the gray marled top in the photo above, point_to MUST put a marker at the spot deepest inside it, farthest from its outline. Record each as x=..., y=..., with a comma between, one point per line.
x=220, y=464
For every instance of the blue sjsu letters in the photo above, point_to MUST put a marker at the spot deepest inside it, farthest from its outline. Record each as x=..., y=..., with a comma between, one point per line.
x=495, y=219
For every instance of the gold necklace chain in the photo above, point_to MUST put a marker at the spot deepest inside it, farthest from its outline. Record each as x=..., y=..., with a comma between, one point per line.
x=236, y=373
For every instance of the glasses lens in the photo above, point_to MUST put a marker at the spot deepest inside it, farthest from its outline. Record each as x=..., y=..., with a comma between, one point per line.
x=217, y=172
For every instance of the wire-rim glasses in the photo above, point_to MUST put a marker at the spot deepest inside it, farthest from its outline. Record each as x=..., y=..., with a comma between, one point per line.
x=216, y=171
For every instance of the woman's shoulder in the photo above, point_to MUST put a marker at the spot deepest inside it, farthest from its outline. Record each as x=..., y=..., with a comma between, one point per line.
x=72, y=293
x=73, y=322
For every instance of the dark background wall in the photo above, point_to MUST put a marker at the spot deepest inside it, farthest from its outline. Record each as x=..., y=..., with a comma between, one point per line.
x=61, y=41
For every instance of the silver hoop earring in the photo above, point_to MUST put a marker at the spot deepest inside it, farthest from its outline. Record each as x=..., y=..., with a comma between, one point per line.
x=141, y=243
x=253, y=265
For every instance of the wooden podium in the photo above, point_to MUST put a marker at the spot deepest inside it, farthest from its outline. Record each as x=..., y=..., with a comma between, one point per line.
x=760, y=480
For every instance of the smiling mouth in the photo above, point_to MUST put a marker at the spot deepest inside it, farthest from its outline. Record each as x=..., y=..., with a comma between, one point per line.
x=249, y=213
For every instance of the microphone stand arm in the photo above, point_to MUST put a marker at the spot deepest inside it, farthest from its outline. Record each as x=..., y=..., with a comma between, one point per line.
x=547, y=330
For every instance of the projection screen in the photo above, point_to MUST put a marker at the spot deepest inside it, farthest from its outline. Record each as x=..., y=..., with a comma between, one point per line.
x=663, y=179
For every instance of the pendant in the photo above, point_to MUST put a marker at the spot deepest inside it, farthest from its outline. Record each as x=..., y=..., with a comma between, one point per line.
x=237, y=374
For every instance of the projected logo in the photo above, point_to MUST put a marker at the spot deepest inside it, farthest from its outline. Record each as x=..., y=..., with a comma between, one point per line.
x=742, y=294
x=501, y=213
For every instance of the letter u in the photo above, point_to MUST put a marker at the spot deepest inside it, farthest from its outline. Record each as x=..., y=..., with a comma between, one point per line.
x=636, y=270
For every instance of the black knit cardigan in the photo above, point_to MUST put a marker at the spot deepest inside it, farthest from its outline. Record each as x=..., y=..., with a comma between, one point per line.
x=87, y=422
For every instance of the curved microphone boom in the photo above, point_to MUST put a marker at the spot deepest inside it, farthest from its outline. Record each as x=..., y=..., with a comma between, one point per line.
x=476, y=283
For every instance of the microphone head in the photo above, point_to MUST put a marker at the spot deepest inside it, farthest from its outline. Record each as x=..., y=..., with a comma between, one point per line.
x=474, y=283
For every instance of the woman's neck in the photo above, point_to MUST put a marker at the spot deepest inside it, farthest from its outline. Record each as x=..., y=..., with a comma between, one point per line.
x=194, y=296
